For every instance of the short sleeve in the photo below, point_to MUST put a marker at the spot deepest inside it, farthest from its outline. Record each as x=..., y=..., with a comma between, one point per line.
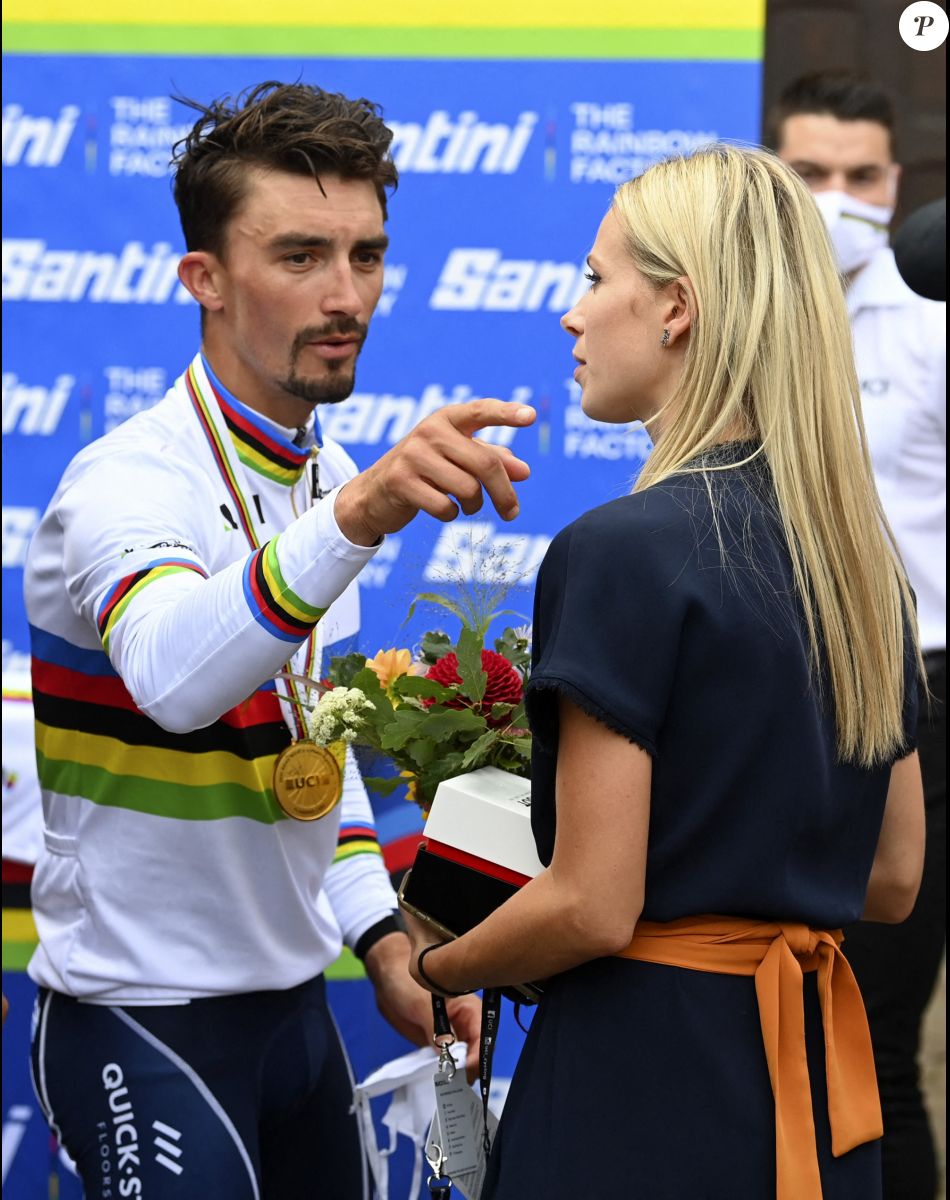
x=608, y=615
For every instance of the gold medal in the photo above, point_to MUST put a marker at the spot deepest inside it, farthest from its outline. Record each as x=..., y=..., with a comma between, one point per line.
x=308, y=781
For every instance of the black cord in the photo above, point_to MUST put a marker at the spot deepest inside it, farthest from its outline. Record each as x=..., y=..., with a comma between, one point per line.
x=427, y=980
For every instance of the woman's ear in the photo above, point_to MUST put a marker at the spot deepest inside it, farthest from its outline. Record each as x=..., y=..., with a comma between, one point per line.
x=199, y=271
x=679, y=305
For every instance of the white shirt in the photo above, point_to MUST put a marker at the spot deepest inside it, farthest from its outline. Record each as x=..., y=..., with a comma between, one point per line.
x=167, y=872
x=900, y=347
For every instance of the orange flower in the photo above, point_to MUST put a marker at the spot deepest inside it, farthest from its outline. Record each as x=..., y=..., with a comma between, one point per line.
x=411, y=793
x=389, y=665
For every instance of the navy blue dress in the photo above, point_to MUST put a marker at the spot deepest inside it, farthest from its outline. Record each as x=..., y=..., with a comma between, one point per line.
x=650, y=1075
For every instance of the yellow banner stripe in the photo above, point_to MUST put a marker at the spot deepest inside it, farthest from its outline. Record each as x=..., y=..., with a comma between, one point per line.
x=215, y=767
x=541, y=14
x=18, y=925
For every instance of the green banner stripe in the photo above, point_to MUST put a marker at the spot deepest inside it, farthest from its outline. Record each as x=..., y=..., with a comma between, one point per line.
x=37, y=37
x=207, y=802
x=347, y=966
x=17, y=954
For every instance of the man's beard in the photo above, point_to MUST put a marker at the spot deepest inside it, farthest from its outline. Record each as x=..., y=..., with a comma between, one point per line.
x=341, y=378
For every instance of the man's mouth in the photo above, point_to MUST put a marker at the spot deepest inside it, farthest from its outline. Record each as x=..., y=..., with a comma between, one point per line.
x=334, y=348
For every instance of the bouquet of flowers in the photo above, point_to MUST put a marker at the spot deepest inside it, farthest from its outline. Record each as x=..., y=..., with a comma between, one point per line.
x=450, y=708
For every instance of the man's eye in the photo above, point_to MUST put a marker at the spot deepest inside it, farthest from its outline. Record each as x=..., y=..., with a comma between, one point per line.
x=300, y=259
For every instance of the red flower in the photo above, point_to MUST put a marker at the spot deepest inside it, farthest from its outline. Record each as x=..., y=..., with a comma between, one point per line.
x=502, y=687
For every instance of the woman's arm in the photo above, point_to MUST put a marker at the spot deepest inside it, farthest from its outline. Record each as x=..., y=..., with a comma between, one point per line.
x=899, y=858
x=586, y=904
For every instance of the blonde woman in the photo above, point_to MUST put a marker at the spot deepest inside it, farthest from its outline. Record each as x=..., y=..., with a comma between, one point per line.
x=723, y=699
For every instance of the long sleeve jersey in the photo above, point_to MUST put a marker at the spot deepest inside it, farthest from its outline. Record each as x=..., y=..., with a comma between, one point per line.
x=185, y=559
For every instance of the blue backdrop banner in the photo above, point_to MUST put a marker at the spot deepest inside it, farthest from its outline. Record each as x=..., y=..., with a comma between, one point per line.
x=507, y=167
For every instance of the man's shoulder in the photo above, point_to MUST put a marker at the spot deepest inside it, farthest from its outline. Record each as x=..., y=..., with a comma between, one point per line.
x=154, y=439
x=879, y=285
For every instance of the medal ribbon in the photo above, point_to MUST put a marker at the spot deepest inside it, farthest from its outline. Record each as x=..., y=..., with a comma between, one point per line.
x=222, y=458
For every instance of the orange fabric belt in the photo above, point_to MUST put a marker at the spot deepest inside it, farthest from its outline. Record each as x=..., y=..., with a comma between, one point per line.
x=777, y=954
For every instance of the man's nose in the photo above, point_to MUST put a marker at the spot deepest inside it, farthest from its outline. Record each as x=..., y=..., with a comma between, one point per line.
x=342, y=295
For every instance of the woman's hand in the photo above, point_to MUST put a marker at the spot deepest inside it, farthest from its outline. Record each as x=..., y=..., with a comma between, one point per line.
x=421, y=936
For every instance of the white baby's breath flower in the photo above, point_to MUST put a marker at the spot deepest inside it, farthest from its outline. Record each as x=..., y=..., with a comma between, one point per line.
x=338, y=716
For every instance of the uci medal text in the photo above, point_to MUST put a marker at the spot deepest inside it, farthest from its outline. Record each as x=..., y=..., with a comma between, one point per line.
x=308, y=782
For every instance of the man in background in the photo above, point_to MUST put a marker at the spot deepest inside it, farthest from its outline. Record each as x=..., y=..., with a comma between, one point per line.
x=837, y=132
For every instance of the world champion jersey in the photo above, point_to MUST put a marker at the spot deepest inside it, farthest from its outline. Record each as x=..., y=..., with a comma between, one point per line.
x=184, y=561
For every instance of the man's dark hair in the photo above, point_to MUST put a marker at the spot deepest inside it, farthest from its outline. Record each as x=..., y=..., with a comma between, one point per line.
x=286, y=127
x=832, y=93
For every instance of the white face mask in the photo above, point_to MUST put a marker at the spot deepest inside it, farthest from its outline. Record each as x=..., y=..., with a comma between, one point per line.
x=858, y=229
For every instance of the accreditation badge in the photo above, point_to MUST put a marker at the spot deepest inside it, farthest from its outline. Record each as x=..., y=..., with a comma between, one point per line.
x=308, y=781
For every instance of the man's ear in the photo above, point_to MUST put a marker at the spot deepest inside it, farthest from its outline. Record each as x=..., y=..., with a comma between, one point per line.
x=199, y=271
x=678, y=308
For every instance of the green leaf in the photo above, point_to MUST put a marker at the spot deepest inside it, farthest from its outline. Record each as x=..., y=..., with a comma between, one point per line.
x=443, y=724
x=442, y=602
x=500, y=710
x=516, y=649
x=407, y=723
x=416, y=685
x=381, y=786
x=381, y=714
x=469, y=652
x=478, y=748
x=443, y=767
x=435, y=645
x=343, y=668
x=422, y=751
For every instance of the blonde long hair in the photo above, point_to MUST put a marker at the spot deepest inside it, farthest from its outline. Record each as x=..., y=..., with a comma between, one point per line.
x=770, y=353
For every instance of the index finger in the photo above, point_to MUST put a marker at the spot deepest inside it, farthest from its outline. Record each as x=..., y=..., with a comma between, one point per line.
x=479, y=414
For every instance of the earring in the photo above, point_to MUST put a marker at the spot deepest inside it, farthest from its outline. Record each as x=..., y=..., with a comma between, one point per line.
x=665, y=339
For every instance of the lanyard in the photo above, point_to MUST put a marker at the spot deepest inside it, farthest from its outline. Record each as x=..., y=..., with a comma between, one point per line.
x=491, y=1017
x=488, y=1039
x=228, y=469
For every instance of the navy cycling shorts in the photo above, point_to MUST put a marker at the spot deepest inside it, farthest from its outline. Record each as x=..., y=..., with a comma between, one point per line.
x=232, y=1098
